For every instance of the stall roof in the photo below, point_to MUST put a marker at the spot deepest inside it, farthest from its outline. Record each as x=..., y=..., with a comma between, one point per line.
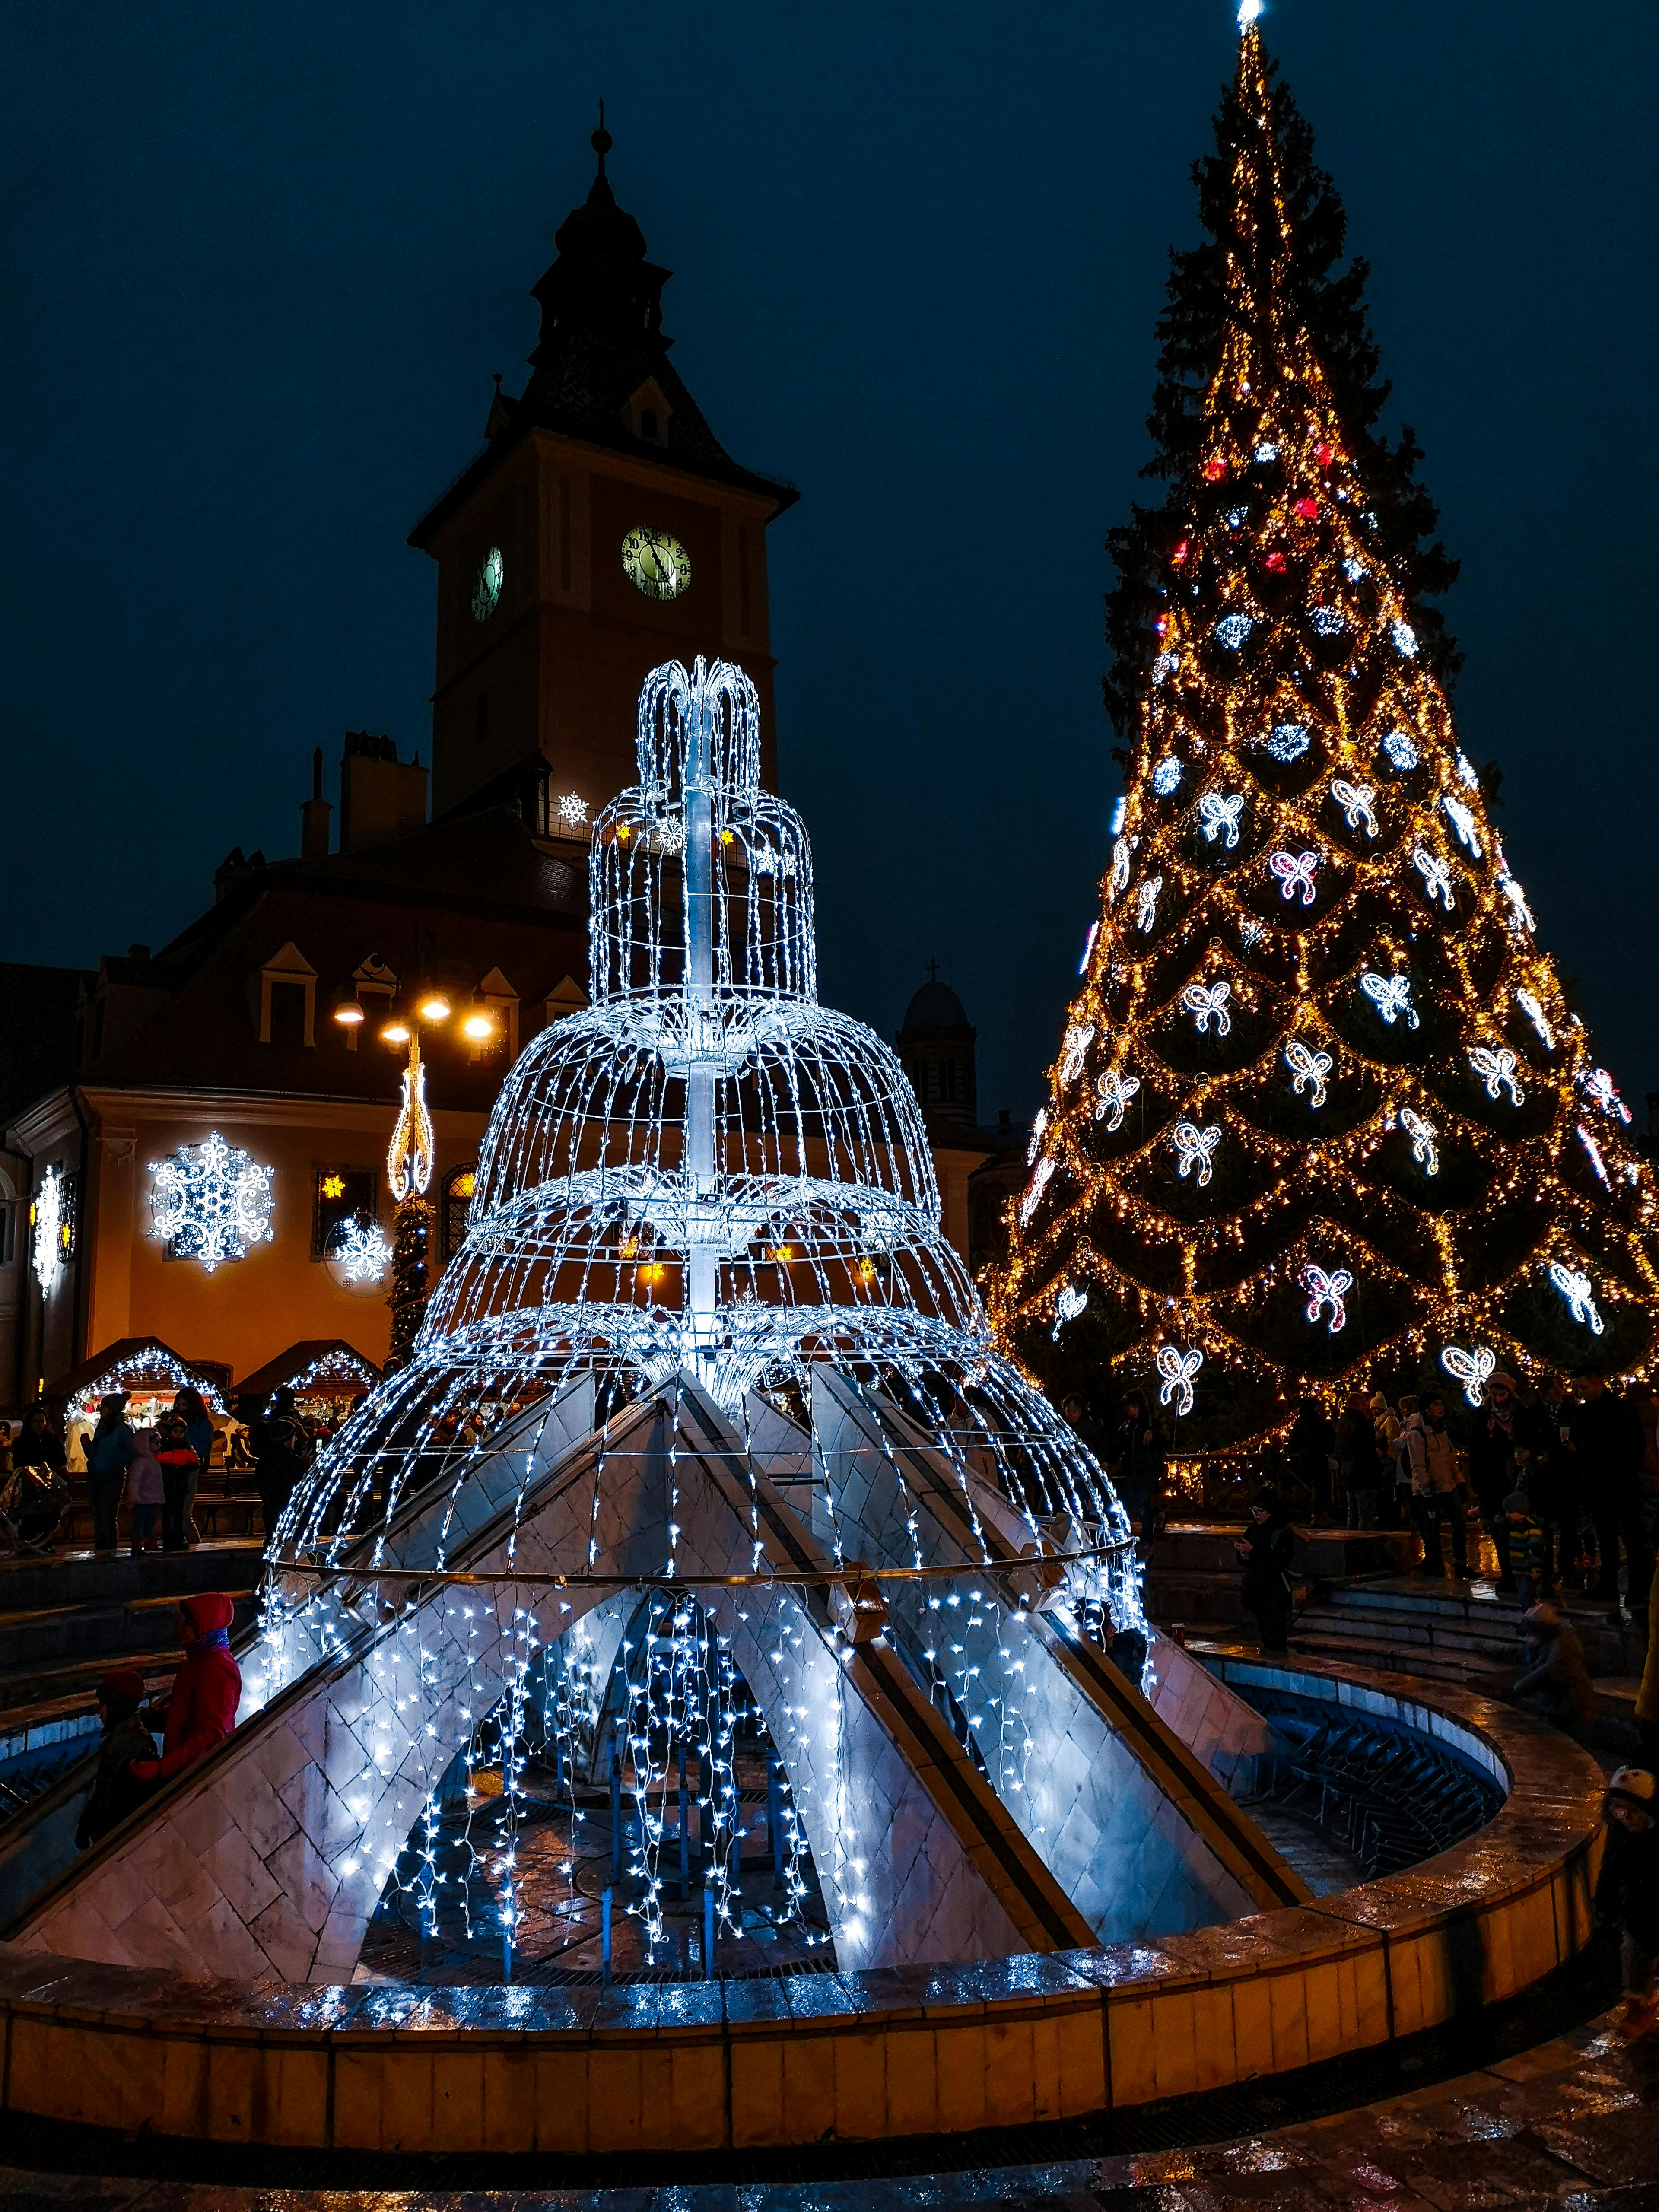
x=289, y=1366
x=131, y=1357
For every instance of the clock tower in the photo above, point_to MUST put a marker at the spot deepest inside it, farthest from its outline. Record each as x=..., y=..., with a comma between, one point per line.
x=602, y=530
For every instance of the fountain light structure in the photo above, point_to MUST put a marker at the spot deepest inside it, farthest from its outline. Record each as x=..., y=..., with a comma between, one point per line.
x=704, y=1443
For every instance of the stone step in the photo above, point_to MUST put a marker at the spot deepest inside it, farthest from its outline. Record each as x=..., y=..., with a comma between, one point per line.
x=81, y=1577
x=1432, y=1664
x=84, y=1633
x=1495, y=1637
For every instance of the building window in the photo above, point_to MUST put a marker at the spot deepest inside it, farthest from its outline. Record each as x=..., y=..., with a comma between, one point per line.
x=8, y=1208
x=288, y=980
x=458, y=1187
x=340, y=1194
x=947, y=1081
x=288, y=1015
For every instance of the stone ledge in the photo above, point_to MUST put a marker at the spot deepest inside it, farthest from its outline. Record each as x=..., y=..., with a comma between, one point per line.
x=885, y=2053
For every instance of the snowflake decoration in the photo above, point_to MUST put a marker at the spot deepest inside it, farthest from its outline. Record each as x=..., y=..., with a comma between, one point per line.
x=359, y=1251
x=1436, y=876
x=1392, y=997
x=1205, y=1001
x=1579, y=1294
x=1079, y=1036
x=46, y=1244
x=1473, y=1369
x=1232, y=630
x=1266, y=451
x=1529, y=1003
x=1118, y=878
x=1308, y=1070
x=1113, y=1092
x=1400, y=750
x=1356, y=801
x=1177, y=1370
x=1147, y=905
x=670, y=836
x=1496, y=1068
x=1462, y=820
x=1165, y=666
x=1595, y=1151
x=1294, y=872
x=1327, y=622
x=1038, y=1184
x=1353, y=569
x=1422, y=1134
x=1601, y=1089
x=1237, y=517
x=573, y=811
x=1196, y=1147
x=210, y=1202
x=1288, y=741
x=1521, y=915
x=1039, y=1128
x=1166, y=776
x=1068, y=1305
x=1330, y=1291
x=1405, y=638
x=1219, y=817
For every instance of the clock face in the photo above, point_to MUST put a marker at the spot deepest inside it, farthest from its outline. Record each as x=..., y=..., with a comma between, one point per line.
x=655, y=563
x=487, y=586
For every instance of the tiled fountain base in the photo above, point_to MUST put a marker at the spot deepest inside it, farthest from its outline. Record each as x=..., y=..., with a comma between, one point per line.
x=804, y=2058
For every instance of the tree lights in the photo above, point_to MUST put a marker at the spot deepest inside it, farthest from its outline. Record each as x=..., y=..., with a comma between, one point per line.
x=1329, y=825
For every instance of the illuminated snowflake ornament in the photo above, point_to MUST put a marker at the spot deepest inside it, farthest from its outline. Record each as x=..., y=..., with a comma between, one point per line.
x=1327, y=1290
x=1232, y=630
x=573, y=811
x=1400, y=750
x=1178, y=1371
x=1113, y=1093
x=1287, y=741
x=210, y=1202
x=1473, y=1369
x=1195, y=1148
x=1578, y=1291
x=358, y=1254
x=1207, y=1002
x=1308, y=1070
x=1327, y=622
x=1166, y=776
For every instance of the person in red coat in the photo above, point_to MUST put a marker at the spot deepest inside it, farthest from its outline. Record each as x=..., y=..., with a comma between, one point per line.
x=206, y=1690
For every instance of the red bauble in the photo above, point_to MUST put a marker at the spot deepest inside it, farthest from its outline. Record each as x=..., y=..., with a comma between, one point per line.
x=1214, y=470
x=1324, y=455
x=1181, y=551
x=1307, y=509
x=1275, y=561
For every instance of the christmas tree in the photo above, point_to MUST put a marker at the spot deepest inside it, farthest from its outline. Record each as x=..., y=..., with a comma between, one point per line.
x=1323, y=1112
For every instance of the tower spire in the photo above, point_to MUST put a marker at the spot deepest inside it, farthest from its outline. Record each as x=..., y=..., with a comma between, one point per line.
x=601, y=142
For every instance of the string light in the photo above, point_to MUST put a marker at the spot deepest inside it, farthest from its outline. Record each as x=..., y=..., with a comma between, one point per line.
x=1068, y=1305
x=1473, y=1369
x=1327, y=1290
x=47, y=1218
x=1578, y=1291
x=1392, y=997
x=1113, y=1091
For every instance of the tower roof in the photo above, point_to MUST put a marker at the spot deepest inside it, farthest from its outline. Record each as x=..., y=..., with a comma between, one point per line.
x=602, y=339
x=936, y=1006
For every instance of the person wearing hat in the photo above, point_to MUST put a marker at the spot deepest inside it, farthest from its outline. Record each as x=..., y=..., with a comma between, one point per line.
x=206, y=1690
x=109, y=1454
x=115, y=1790
x=1627, y=1891
x=1505, y=1444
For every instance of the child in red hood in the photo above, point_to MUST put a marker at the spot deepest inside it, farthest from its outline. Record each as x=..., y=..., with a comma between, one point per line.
x=206, y=1690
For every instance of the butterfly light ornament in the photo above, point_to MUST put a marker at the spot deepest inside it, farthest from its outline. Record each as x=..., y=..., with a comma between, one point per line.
x=1462, y=821
x=1356, y=801
x=1533, y=1009
x=1068, y=1305
x=1178, y=1369
x=1521, y=914
x=1437, y=877
x=1079, y=1036
x=1599, y=1086
x=1392, y=997
x=1207, y=1002
x=1473, y=1369
x=1295, y=872
x=1577, y=1289
x=1422, y=1134
x=1219, y=816
x=1307, y=1069
x=1496, y=1069
x=1196, y=1148
x=1112, y=1095
x=1147, y=905
x=1117, y=881
x=1327, y=1290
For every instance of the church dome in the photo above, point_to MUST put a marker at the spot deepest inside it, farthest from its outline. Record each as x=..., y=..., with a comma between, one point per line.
x=936, y=1006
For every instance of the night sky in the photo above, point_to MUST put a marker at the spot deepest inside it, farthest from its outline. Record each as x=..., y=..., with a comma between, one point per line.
x=257, y=266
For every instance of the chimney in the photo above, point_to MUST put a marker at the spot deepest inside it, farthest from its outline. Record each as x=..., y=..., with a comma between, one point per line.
x=315, y=814
x=380, y=797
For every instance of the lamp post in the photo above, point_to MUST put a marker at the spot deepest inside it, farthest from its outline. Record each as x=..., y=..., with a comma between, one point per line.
x=409, y=1159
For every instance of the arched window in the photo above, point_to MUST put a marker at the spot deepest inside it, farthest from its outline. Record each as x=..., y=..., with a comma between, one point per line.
x=458, y=1186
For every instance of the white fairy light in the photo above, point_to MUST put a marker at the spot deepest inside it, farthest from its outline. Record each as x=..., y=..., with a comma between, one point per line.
x=1466, y=775
x=1287, y=741
x=1595, y=1152
x=1436, y=876
x=1496, y=1066
x=1113, y=1092
x=1232, y=630
x=1308, y=1070
x=1357, y=802
x=1266, y=451
x=1196, y=1148
x=1353, y=569
x=210, y=1201
x=1521, y=914
x=1207, y=1002
x=1405, y=638
x=1089, y=943
x=1327, y=1290
x=1294, y=872
x=1146, y=903
x=1178, y=1370
x=1473, y=1369
x=1069, y=1303
x=1601, y=1090
x=358, y=1251
x=1327, y=622
x=1462, y=820
x=1250, y=933
x=1392, y=997
x=1038, y=1129
x=1079, y=1036
x=1422, y=1133
x=1041, y=1175
x=46, y=1237
x=409, y=1156
x=1531, y=1007
x=1218, y=814
x=1166, y=776
x=1119, y=808
x=1400, y=750
x=1578, y=1291
x=1165, y=666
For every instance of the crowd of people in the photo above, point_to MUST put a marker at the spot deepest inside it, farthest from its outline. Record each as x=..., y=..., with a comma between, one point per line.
x=154, y=1468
